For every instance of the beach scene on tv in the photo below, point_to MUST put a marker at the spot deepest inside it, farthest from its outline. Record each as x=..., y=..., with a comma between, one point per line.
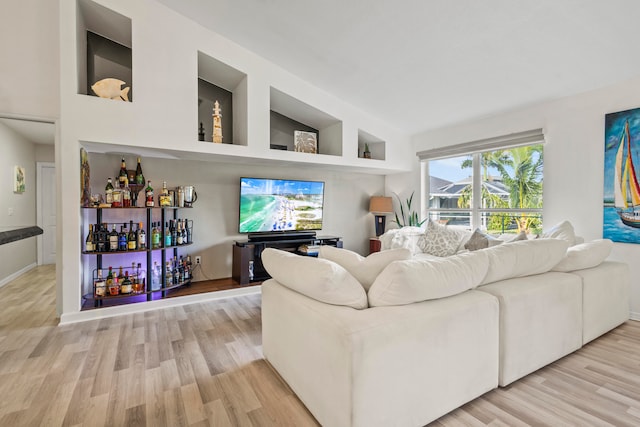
x=280, y=205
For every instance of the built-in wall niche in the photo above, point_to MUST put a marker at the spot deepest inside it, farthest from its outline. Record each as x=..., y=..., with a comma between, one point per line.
x=289, y=114
x=220, y=82
x=375, y=145
x=104, y=49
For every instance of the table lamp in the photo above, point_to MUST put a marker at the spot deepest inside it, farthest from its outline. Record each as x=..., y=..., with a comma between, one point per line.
x=380, y=206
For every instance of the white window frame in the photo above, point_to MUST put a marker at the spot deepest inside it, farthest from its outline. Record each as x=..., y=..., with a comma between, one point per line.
x=474, y=149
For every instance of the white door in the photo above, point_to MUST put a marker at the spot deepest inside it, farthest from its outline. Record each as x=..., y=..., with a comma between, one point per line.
x=46, y=183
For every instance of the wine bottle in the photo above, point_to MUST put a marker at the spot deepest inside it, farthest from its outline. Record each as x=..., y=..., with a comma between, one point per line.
x=139, y=176
x=122, y=238
x=108, y=192
x=174, y=233
x=132, y=242
x=90, y=244
x=179, y=239
x=113, y=239
x=142, y=237
x=123, y=173
x=126, y=194
x=149, y=194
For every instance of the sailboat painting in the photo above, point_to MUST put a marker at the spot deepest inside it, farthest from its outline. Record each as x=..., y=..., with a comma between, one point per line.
x=621, y=180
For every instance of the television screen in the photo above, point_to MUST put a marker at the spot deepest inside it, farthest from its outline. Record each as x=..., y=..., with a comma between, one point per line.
x=280, y=205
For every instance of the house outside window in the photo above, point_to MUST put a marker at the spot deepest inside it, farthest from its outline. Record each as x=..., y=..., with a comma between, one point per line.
x=498, y=190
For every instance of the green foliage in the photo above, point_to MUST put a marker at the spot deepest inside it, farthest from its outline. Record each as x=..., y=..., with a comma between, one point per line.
x=409, y=218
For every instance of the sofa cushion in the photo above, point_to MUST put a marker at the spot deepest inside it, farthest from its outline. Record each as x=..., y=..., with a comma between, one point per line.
x=406, y=282
x=439, y=240
x=523, y=258
x=585, y=255
x=480, y=240
x=563, y=231
x=365, y=270
x=320, y=279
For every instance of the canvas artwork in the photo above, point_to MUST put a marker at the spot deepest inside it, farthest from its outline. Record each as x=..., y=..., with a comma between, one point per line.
x=621, y=181
x=18, y=179
x=305, y=142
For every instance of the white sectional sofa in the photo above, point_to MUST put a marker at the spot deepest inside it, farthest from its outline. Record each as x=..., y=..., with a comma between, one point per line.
x=419, y=338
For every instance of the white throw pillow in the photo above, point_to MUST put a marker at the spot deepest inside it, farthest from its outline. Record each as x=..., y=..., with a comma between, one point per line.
x=585, y=255
x=405, y=237
x=563, y=231
x=523, y=258
x=319, y=279
x=365, y=270
x=439, y=240
x=406, y=282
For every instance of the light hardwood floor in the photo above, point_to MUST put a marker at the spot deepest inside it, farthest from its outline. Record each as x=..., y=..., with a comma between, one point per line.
x=202, y=365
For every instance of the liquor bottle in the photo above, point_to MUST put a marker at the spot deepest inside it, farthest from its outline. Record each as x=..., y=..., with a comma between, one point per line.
x=126, y=194
x=113, y=239
x=149, y=194
x=189, y=231
x=101, y=238
x=167, y=235
x=179, y=239
x=163, y=197
x=100, y=286
x=114, y=289
x=123, y=173
x=184, y=232
x=132, y=241
x=139, y=176
x=126, y=285
x=90, y=244
x=155, y=237
x=108, y=191
x=174, y=233
x=120, y=275
x=156, y=275
x=168, y=276
x=109, y=281
x=117, y=196
x=122, y=238
x=142, y=237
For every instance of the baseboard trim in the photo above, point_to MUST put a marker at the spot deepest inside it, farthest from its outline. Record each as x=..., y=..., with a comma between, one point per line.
x=17, y=274
x=103, y=313
x=634, y=315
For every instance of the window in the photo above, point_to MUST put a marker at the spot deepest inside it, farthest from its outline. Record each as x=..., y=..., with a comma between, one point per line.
x=499, y=190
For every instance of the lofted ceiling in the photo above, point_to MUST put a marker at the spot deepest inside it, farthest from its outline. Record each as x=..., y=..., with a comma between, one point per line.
x=423, y=64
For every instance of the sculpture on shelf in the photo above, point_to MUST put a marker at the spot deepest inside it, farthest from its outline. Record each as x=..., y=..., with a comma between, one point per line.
x=217, y=123
x=111, y=88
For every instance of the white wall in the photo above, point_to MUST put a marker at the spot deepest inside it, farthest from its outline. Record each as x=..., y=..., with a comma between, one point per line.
x=45, y=153
x=573, y=154
x=17, y=151
x=30, y=66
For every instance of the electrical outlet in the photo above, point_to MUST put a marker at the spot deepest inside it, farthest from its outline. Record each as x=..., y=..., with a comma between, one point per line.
x=198, y=260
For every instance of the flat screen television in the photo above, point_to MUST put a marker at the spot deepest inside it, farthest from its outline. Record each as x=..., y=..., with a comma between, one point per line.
x=273, y=205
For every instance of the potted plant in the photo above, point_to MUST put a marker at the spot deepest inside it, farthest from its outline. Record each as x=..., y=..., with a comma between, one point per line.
x=409, y=218
x=366, y=153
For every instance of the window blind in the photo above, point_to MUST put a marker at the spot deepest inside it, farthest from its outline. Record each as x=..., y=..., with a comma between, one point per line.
x=535, y=136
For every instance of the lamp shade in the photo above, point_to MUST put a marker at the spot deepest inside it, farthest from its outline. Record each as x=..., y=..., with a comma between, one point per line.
x=380, y=205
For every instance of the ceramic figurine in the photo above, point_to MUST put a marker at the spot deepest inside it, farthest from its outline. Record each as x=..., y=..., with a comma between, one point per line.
x=110, y=88
x=217, y=123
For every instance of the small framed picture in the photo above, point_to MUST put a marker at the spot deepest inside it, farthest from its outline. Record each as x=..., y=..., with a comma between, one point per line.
x=305, y=142
x=18, y=179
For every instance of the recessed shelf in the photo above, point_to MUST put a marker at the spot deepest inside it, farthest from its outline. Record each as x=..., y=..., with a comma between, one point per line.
x=104, y=47
x=329, y=128
x=377, y=147
x=220, y=82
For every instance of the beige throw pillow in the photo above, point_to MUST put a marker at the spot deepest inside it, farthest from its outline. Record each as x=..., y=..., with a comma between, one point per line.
x=480, y=240
x=365, y=270
x=406, y=282
x=319, y=279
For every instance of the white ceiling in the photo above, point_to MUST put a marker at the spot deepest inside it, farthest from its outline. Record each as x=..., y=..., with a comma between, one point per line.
x=422, y=64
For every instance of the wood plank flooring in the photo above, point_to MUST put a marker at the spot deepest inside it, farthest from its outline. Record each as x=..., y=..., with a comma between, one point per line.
x=202, y=365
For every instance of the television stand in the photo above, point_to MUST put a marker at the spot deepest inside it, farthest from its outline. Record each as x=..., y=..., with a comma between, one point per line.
x=249, y=252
